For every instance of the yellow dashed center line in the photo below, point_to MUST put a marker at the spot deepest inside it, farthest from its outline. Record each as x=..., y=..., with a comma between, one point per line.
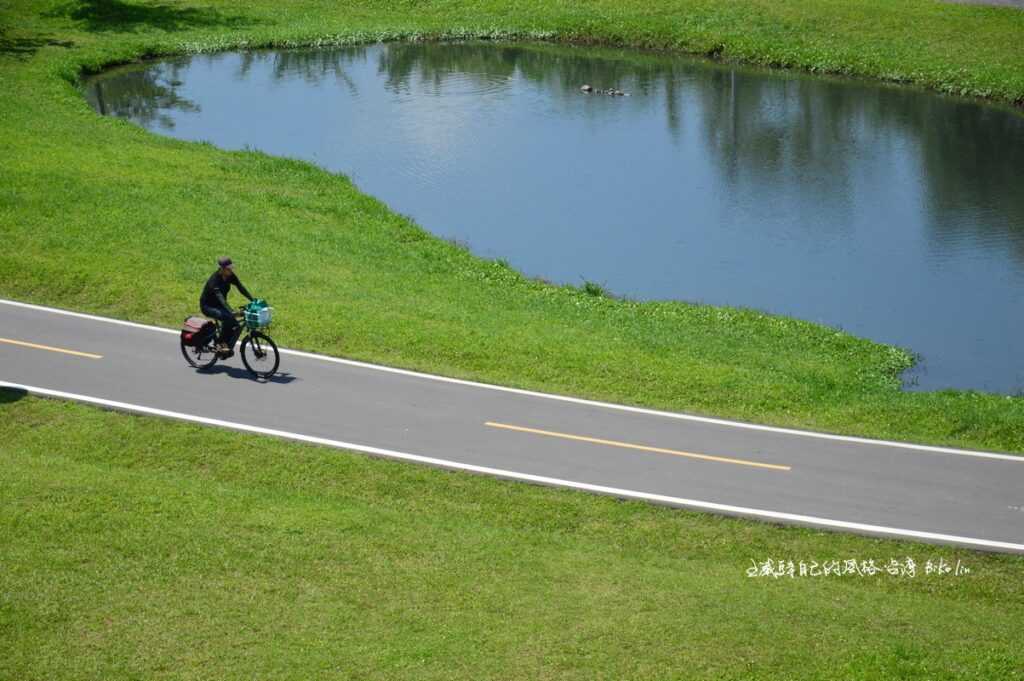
x=644, y=448
x=36, y=346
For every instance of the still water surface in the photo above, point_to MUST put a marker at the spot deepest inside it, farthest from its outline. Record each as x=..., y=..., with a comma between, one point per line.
x=890, y=213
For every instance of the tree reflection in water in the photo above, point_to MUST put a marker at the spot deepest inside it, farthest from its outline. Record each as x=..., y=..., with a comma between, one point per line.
x=765, y=127
x=143, y=94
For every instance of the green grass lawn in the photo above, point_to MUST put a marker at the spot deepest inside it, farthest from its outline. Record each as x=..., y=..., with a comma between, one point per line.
x=137, y=548
x=140, y=548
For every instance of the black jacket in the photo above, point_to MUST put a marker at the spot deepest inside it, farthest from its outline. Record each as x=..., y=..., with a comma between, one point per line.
x=216, y=291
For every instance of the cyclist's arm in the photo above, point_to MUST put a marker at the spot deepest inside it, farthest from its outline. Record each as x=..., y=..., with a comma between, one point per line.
x=241, y=289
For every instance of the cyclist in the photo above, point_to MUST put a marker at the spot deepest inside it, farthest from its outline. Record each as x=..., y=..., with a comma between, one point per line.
x=214, y=303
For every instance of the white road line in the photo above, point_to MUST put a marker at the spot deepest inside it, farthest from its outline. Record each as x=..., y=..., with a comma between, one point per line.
x=537, y=479
x=574, y=400
x=82, y=315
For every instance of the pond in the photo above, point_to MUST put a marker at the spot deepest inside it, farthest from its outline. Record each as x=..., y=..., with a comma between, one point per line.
x=891, y=213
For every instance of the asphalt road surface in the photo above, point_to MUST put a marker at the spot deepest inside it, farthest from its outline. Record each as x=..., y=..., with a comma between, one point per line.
x=929, y=494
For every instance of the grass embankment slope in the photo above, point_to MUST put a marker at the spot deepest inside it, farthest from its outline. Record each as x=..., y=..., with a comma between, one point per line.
x=141, y=548
x=98, y=215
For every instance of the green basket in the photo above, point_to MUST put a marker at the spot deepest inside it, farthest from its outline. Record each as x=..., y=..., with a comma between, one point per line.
x=258, y=314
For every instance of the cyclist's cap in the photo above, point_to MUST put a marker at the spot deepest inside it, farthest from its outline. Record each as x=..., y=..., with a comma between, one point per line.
x=224, y=262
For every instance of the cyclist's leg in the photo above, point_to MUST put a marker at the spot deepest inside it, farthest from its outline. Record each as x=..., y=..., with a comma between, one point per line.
x=232, y=330
x=227, y=323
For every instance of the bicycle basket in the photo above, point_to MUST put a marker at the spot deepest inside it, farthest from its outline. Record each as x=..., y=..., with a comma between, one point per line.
x=258, y=314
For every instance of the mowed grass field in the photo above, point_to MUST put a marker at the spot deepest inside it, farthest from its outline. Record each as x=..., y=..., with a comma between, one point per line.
x=137, y=548
x=141, y=548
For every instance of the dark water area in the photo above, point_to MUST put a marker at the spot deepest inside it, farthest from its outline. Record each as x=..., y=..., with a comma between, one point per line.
x=893, y=214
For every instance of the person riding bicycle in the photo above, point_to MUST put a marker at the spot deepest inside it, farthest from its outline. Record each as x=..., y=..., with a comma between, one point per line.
x=214, y=303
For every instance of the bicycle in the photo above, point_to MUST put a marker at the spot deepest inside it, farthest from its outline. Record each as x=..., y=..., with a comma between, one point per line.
x=259, y=352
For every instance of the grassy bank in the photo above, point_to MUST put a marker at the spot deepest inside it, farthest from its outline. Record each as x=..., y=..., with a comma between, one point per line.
x=141, y=548
x=98, y=215
x=136, y=548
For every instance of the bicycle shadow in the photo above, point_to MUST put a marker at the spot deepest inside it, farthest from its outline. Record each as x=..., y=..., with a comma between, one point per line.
x=281, y=377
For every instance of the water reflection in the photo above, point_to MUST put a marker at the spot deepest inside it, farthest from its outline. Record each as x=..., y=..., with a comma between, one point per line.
x=312, y=66
x=891, y=213
x=983, y=196
x=144, y=95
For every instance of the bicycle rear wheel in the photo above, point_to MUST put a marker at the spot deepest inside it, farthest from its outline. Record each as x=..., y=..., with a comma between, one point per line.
x=200, y=356
x=260, y=355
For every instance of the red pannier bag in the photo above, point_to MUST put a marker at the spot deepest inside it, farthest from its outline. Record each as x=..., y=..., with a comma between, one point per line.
x=195, y=330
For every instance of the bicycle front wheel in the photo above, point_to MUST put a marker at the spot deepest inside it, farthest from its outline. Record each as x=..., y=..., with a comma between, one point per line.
x=260, y=355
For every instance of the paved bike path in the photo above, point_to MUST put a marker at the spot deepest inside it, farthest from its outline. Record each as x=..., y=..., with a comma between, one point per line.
x=932, y=494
